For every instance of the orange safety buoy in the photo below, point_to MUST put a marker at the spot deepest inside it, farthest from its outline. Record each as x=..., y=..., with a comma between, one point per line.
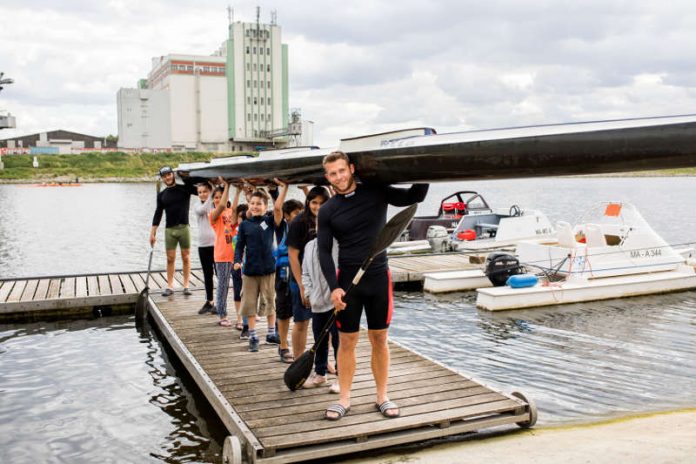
x=468, y=234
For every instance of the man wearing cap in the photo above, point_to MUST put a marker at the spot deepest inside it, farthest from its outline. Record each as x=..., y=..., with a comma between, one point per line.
x=174, y=199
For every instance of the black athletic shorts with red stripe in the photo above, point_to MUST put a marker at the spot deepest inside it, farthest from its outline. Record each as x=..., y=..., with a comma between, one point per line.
x=373, y=293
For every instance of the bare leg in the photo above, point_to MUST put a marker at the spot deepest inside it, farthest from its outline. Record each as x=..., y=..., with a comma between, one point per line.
x=238, y=309
x=186, y=259
x=271, y=318
x=252, y=322
x=346, y=361
x=283, y=329
x=380, y=363
x=299, y=337
x=171, y=259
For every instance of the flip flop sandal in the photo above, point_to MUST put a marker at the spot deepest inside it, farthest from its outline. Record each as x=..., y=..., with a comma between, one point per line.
x=338, y=409
x=386, y=406
x=225, y=323
x=239, y=326
x=285, y=356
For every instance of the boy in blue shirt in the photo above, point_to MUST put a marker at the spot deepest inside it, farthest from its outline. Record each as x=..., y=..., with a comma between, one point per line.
x=255, y=238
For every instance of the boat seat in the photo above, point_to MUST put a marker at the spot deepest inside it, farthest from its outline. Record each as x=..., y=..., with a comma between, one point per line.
x=484, y=225
x=595, y=236
x=566, y=238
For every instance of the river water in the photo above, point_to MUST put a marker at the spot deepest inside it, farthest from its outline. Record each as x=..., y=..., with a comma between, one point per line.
x=82, y=391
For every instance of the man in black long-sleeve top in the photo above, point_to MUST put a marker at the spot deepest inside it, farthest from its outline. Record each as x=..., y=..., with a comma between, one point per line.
x=174, y=200
x=355, y=216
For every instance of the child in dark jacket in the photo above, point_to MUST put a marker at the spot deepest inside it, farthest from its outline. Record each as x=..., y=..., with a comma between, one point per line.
x=255, y=238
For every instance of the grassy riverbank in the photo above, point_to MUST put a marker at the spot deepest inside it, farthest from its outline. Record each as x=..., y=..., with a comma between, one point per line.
x=133, y=167
x=115, y=166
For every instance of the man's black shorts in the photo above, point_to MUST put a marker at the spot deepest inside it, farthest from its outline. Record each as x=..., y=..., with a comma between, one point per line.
x=373, y=293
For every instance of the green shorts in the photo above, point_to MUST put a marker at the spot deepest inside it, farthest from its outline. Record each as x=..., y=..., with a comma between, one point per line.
x=180, y=234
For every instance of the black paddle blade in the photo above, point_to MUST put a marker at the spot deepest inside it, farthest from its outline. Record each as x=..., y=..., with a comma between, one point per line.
x=393, y=229
x=299, y=370
x=141, y=303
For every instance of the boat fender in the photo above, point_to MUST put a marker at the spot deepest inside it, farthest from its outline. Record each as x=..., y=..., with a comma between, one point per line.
x=522, y=281
x=468, y=234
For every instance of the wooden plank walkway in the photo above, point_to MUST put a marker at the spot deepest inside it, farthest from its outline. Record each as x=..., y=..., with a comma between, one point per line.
x=246, y=389
x=64, y=292
x=277, y=426
x=80, y=291
x=411, y=268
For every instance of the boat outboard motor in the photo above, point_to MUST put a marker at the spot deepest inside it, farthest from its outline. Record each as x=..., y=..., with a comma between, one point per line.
x=500, y=266
x=438, y=237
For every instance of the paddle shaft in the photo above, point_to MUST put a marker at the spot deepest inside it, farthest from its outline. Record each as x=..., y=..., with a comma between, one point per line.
x=149, y=266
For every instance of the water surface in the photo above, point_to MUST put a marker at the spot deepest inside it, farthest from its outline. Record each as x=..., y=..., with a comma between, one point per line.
x=85, y=391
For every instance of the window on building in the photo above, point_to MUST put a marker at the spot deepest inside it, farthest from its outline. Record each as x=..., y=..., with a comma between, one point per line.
x=248, y=32
x=268, y=51
x=248, y=100
x=206, y=68
x=268, y=67
x=248, y=83
x=189, y=68
x=269, y=100
x=254, y=67
x=247, y=50
x=269, y=84
x=256, y=133
x=254, y=50
x=249, y=117
x=254, y=84
x=261, y=50
x=255, y=117
x=248, y=67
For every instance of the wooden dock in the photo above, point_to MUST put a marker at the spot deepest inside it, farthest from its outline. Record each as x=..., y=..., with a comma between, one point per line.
x=52, y=295
x=411, y=268
x=76, y=294
x=268, y=423
x=275, y=425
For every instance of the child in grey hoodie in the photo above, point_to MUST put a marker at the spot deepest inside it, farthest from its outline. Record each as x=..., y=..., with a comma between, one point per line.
x=319, y=295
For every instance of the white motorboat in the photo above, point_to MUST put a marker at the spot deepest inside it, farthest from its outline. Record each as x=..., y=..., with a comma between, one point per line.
x=611, y=253
x=499, y=229
x=465, y=222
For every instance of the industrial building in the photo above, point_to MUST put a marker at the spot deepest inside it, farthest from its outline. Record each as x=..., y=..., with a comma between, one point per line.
x=54, y=142
x=233, y=100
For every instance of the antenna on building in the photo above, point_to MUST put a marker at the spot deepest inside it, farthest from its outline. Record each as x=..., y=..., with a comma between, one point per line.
x=4, y=81
x=230, y=14
x=258, y=17
x=274, y=17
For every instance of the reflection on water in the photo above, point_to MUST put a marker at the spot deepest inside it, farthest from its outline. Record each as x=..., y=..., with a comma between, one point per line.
x=579, y=362
x=89, y=391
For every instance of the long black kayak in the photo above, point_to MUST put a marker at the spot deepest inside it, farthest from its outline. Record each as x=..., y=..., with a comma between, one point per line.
x=549, y=150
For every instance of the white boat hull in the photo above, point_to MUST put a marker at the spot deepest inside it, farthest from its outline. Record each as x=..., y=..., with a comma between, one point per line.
x=455, y=281
x=577, y=290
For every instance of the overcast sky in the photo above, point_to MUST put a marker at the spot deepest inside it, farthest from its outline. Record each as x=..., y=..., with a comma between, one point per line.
x=359, y=66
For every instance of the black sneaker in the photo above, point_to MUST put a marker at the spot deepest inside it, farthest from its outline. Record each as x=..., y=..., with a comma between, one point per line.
x=187, y=292
x=254, y=344
x=206, y=308
x=273, y=339
x=245, y=333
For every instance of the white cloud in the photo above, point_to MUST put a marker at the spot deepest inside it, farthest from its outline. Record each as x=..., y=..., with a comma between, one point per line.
x=367, y=66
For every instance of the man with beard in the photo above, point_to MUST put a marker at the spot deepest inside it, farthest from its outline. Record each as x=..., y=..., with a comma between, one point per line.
x=175, y=201
x=354, y=217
